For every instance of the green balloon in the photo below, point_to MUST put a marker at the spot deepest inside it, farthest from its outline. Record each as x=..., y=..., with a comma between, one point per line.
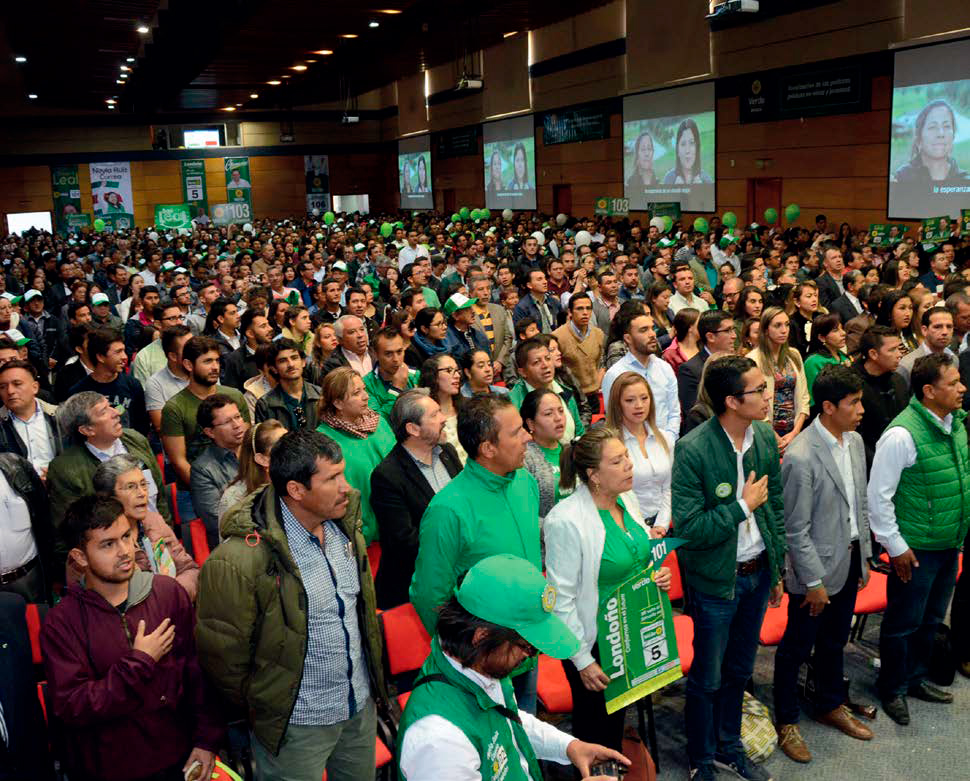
x=386, y=229
x=701, y=225
x=730, y=219
x=792, y=212
x=464, y=212
x=668, y=223
x=398, y=224
x=456, y=217
x=328, y=218
x=486, y=214
x=476, y=214
x=771, y=216
x=99, y=224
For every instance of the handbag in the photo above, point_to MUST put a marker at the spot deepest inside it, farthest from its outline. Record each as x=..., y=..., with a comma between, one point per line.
x=758, y=735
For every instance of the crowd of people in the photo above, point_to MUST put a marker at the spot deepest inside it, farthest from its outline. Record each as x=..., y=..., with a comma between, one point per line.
x=209, y=440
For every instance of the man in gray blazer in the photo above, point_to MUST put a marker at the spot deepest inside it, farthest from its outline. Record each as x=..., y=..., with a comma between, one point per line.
x=501, y=335
x=827, y=526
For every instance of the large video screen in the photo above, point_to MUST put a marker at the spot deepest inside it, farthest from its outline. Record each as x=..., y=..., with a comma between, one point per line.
x=510, y=163
x=929, y=154
x=668, y=148
x=414, y=172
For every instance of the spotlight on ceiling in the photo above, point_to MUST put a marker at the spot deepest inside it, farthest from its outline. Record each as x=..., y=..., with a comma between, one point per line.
x=20, y=59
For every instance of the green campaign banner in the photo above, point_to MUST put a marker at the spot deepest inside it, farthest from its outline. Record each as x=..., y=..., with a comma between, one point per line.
x=671, y=210
x=611, y=207
x=231, y=213
x=117, y=222
x=635, y=635
x=66, y=194
x=936, y=228
x=193, y=187
x=238, y=181
x=965, y=222
x=73, y=222
x=173, y=216
x=886, y=234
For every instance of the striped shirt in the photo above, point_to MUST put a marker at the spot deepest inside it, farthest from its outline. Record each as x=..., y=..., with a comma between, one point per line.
x=485, y=319
x=335, y=685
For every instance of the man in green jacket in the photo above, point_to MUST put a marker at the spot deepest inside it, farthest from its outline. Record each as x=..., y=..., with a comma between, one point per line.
x=391, y=376
x=287, y=624
x=490, y=507
x=919, y=511
x=461, y=718
x=727, y=499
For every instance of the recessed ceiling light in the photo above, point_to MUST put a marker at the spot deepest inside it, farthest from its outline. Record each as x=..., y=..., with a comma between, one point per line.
x=130, y=59
x=309, y=62
x=109, y=101
x=238, y=105
x=509, y=35
x=122, y=75
x=125, y=68
x=141, y=29
x=324, y=52
x=229, y=108
x=373, y=24
x=32, y=96
x=298, y=67
x=110, y=107
x=349, y=35
x=388, y=11
x=119, y=81
x=286, y=76
x=20, y=59
x=254, y=95
x=274, y=82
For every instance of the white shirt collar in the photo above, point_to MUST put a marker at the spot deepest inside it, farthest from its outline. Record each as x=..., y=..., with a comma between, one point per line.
x=491, y=686
x=827, y=437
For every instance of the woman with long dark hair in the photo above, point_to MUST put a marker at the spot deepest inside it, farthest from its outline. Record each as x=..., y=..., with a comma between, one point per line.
x=896, y=312
x=687, y=168
x=931, y=157
x=441, y=375
x=827, y=346
x=643, y=174
x=520, y=169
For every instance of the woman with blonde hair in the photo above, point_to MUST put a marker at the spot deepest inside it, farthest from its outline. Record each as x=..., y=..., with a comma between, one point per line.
x=323, y=344
x=364, y=436
x=253, y=463
x=596, y=539
x=630, y=412
x=784, y=375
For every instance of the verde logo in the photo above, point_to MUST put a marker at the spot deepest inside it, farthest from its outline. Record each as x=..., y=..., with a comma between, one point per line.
x=723, y=490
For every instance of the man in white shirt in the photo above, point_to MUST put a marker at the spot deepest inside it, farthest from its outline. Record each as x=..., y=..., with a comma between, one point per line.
x=936, y=326
x=28, y=426
x=919, y=489
x=684, y=291
x=461, y=722
x=411, y=251
x=639, y=337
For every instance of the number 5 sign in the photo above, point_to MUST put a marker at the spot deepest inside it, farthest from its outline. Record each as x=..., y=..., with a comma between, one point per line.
x=193, y=181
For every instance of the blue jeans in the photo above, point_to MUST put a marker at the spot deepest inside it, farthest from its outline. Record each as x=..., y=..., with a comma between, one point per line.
x=725, y=644
x=913, y=612
x=525, y=690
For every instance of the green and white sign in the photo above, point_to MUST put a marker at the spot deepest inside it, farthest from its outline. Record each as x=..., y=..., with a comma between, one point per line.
x=238, y=180
x=635, y=635
x=73, y=222
x=66, y=193
x=886, y=234
x=230, y=213
x=965, y=222
x=612, y=207
x=172, y=216
x=193, y=186
x=111, y=194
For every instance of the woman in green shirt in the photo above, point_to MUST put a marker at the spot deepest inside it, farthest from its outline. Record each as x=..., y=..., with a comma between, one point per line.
x=595, y=539
x=364, y=435
x=544, y=417
x=827, y=347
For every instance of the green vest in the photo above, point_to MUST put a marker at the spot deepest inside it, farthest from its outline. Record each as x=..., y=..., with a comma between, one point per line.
x=932, y=500
x=466, y=705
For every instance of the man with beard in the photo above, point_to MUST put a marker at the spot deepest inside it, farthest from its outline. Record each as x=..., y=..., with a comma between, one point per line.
x=491, y=507
x=462, y=716
x=129, y=694
x=240, y=365
x=642, y=358
x=293, y=402
x=182, y=438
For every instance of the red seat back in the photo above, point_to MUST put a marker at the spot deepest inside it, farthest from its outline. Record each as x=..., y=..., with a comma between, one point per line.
x=676, y=584
x=34, y=616
x=200, y=545
x=407, y=641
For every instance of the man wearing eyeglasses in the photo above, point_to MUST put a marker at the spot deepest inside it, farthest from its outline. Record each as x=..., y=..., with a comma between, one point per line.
x=151, y=358
x=727, y=489
x=218, y=464
x=716, y=334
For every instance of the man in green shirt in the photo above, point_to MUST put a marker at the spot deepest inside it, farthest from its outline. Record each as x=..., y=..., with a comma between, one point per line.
x=392, y=376
x=490, y=507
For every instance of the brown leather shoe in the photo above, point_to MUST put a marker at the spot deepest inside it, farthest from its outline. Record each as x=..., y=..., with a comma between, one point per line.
x=841, y=719
x=793, y=744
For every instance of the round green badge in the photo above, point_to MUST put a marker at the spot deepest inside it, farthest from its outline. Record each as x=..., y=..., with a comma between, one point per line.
x=723, y=490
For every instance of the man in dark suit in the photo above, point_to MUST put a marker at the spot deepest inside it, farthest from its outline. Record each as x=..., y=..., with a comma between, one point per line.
x=240, y=365
x=404, y=483
x=848, y=305
x=538, y=304
x=830, y=283
x=717, y=335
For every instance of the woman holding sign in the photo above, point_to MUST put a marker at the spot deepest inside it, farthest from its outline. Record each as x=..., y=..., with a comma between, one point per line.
x=596, y=540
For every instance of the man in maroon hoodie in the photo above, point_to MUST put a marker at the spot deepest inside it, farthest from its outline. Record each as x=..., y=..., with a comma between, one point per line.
x=121, y=664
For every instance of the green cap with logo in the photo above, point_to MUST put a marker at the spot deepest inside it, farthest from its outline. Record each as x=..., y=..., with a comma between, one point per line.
x=458, y=301
x=509, y=591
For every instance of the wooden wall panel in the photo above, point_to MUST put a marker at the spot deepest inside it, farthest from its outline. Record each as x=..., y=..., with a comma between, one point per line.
x=663, y=46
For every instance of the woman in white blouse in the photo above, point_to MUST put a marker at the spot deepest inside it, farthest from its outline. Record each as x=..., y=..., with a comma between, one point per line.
x=629, y=411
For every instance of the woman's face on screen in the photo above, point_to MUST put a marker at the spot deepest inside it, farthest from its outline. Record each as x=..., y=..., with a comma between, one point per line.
x=496, y=168
x=520, y=165
x=936, y=140
x=687, y=151
x=645, y=154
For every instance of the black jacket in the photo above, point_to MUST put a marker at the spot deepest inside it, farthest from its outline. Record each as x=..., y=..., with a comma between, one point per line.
x=688, y=380
x=273, y=406
x=25, y=481
x=828, y=290
x=335, y=361
x=844, y=308
x=10, y=440
x=883, y=398
x=237, y=367
x=399, y=496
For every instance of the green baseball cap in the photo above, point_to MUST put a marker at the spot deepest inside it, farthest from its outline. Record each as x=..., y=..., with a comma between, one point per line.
x=509, y=591
x=665, y=243
x=458, y=301
x=726, y=239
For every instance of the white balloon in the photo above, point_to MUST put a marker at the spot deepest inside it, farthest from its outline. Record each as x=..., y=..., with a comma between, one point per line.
x=540, y=237
x=315, y=212
x=659, y=224
x=561, y=219
x=507, y=214
x=248, y=228
x=153, y=236
x=583, y=239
